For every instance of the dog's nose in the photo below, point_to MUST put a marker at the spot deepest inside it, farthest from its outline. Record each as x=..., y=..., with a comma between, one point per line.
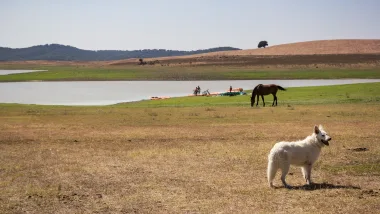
x=329, y=139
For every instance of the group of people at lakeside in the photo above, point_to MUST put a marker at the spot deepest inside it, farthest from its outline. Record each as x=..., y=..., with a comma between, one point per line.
x=197, y=90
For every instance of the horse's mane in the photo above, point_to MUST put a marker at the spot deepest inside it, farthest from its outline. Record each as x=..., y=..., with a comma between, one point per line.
x=257, y=87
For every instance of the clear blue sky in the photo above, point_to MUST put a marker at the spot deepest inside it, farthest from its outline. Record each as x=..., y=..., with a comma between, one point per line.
x=183, y=24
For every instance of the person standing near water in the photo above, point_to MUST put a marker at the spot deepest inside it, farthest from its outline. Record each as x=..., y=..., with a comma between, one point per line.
x=230, y=88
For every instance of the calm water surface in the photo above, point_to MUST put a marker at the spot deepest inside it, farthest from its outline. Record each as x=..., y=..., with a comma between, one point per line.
x=112, y=92
x=6, y=72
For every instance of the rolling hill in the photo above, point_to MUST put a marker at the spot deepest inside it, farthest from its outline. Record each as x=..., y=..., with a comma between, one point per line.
x=320, y=47
x=68, y=53
x=359, y=53
x=333, y=52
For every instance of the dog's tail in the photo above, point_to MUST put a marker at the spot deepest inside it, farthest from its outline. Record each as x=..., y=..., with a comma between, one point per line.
x=281, y=88
x=272, y=169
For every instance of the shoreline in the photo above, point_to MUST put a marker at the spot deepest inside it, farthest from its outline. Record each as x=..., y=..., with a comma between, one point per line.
x=102, y=102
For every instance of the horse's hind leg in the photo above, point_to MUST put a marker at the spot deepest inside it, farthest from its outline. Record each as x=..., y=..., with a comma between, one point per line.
x=274, y=99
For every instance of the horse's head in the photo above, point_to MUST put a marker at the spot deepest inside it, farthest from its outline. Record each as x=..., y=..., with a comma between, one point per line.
x=253, y=99
x=254, y=92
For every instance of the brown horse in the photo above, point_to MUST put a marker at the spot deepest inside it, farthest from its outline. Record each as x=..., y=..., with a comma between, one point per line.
x=262, y=90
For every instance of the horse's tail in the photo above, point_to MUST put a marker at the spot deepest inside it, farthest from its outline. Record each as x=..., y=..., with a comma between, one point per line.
x=281, y=88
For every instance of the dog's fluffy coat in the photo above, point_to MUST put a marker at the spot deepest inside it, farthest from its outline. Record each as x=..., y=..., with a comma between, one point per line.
x=302, y=153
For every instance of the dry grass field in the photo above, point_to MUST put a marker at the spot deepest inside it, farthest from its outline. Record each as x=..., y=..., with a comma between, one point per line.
x=323, y=53
x=354, y=53
x=203, y=158
x=318, y=47
x=183, y=160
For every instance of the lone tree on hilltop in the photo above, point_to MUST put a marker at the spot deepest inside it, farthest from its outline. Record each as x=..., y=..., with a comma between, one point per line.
x=262, y=44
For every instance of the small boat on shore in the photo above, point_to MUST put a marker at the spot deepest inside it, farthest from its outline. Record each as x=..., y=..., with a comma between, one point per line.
x=159, y=98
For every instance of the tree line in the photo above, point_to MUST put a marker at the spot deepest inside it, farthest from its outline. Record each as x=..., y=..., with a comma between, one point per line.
x=69, y=53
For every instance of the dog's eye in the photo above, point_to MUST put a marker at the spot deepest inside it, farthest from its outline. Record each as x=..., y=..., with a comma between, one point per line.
x=323, y=135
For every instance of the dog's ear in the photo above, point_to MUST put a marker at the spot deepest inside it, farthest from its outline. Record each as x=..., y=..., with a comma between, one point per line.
x=316, y=129
x=320, y=127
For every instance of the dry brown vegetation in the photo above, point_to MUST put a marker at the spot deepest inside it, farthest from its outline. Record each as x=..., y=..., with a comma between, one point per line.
x=341, y=53
x=314, y=54
x=183, y=160
x=321, y=47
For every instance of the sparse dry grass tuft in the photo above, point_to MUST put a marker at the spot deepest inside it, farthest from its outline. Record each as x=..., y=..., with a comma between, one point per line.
x=182, y=160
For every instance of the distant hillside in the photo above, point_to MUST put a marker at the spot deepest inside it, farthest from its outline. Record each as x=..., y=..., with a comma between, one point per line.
x=318, y=47
x=69, y=53
x=327, y=52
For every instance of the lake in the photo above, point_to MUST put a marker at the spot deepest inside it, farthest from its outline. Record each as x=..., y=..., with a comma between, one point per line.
x=112, y=92
x=6, y=72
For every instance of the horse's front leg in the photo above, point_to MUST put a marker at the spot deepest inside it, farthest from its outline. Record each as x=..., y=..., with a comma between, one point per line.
x=257, y=103
x=262, y=97
x=274, y=99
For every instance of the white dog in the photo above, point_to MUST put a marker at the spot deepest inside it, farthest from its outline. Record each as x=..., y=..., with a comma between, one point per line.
x=300, y=153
